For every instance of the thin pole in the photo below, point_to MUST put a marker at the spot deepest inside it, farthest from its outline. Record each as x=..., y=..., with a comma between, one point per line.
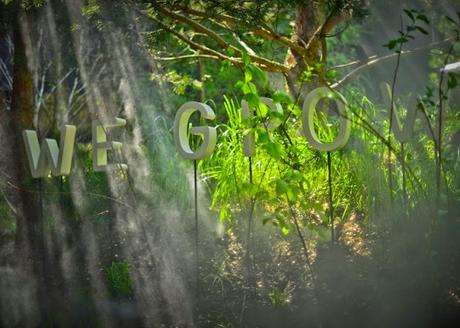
x=196, y=224
x=250, y=265
x=250, y=253
x=404, y=183
x=40, y=198
x=438, y=155
x=248, y=242
x=299, y=232
x=250, y=170
x=331, y=204
x=392, y=109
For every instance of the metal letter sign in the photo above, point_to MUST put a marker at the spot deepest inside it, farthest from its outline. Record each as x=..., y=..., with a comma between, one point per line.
x=180, y=131
x=49, y=156
x=308, y=115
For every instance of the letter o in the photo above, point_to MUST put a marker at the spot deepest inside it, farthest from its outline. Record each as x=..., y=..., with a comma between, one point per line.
x=308, y=115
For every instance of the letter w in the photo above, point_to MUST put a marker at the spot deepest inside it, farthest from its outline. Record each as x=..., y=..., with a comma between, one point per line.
x=48, y=156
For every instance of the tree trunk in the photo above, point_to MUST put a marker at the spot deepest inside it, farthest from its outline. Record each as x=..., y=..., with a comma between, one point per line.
x=21, y=115
x=309, y=18
x=30, y=244
x=312, y=24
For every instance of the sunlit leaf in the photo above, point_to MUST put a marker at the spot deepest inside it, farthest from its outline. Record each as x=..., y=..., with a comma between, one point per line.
x=273, y=149
x=281, y=97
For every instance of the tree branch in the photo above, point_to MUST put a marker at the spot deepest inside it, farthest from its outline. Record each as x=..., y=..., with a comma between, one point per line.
x=373, y=60
x=186, y=57
x=264, y=32
x=198, y=46
x=195, y=25
x=323, y=30
x=264, y=63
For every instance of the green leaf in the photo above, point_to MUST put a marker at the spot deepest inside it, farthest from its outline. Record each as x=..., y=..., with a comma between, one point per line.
x=252, y=87
x=263, y=136
x=262, y=110
x=263, y=194
x=285, y=230
x=247, y=76
x=292, y=192
x=247, y=131
x=273, y=149
x=276, y=116
x=282, y=223
x=239, y=85
x=252, y=99
x=331, y=74
x=197, y=84
x=246, y=58
x=281, y=187
x=245, y=88
x=230, y=51
x=296, y=175
x=281, y=97
x=409, y=13
x=391, y=44
x=452, y=81
x=402, y=40
x=223, y=214
x=296, y=110
x=422, y=30
x=249, y=189
x=258, y=73
x=423, y=18
x=451, y=20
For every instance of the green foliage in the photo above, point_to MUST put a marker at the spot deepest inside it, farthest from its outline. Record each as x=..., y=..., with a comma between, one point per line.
x=182, y=82
x=416, y=18
x=357, y=7
x=91, y=8
x=284, y=167
x=279, y=297
x=119, y=280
